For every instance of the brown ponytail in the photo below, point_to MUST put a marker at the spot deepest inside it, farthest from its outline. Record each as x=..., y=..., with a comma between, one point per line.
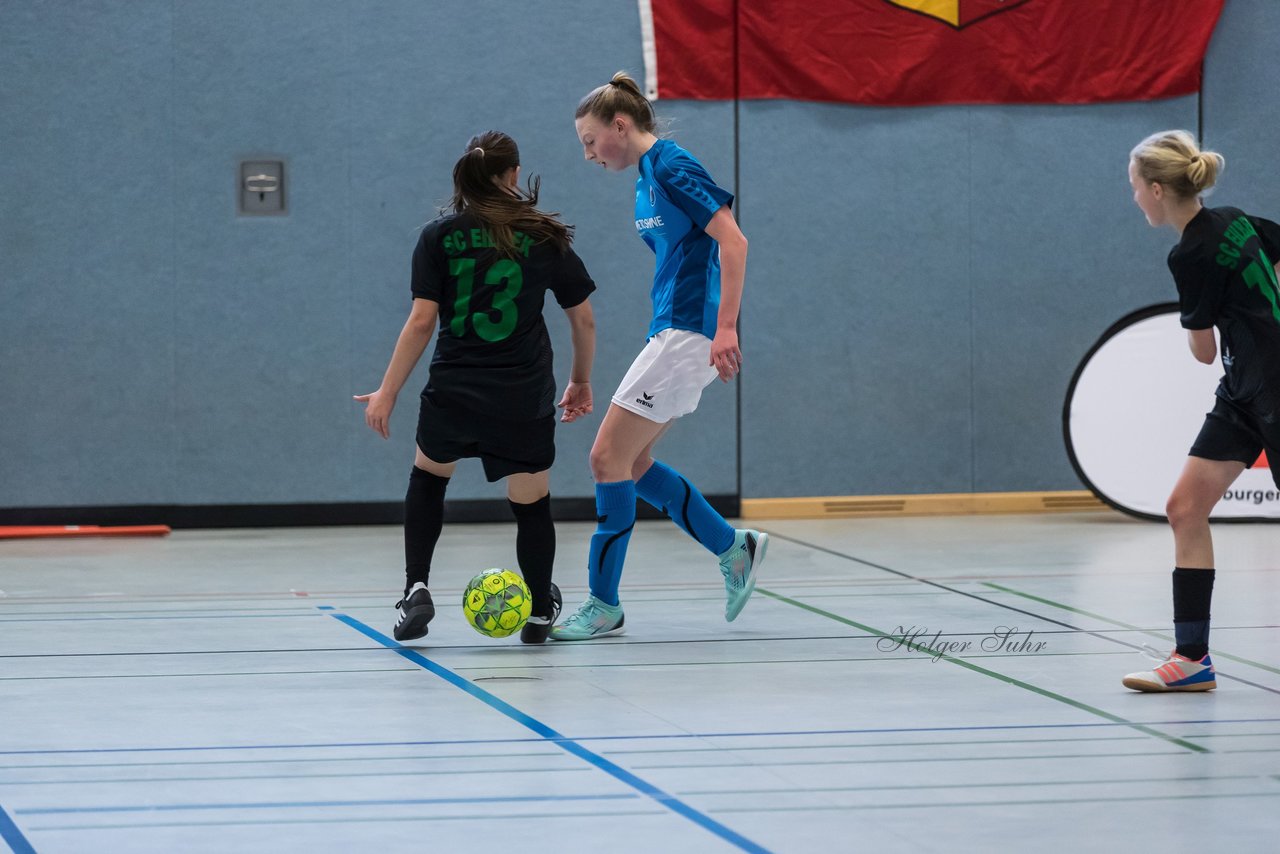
x=621, y=95
x=501, y=210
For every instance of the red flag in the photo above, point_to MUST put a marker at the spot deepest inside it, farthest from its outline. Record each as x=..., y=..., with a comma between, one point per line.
x=905, y=52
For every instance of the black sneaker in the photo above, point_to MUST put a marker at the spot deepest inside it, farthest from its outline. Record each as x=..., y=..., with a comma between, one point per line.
x=416, y=610
x=536, y=629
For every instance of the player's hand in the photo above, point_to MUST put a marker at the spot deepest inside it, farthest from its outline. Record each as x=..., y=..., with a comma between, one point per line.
x=576, y=401
x=726, y=358
x=377, y=411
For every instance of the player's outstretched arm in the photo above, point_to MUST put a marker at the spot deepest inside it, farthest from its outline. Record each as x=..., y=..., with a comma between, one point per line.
x=576, y=401
x=413, y=340
x=725, y=354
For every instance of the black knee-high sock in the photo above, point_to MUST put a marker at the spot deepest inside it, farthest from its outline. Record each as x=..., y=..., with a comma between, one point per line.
x=536, y=550
x=1192, y=593
x=423, y=518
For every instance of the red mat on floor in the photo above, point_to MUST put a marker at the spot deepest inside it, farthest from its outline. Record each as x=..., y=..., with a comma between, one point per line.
x=10, y=532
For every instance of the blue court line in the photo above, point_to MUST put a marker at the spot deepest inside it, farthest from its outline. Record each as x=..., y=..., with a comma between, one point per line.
x=274, y=805
x=663, y=737
x=12, y=836
x=616, y=771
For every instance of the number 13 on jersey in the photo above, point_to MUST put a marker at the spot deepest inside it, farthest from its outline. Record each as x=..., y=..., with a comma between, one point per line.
x=504, y=272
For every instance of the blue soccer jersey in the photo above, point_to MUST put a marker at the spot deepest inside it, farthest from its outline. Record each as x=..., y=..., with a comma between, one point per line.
x=675, y=199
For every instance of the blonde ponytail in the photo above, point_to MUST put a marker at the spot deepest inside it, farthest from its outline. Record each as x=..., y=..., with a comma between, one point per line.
x=1173, y=159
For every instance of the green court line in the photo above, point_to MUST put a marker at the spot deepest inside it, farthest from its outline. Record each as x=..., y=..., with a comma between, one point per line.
x=993, y=674
x=1124, y=625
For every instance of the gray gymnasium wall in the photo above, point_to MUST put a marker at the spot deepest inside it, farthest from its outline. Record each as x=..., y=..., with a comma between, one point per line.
x=158, y=349
x=921, y=282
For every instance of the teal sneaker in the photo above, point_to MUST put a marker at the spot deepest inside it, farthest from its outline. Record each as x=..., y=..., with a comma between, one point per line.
x=739, y=566
x=593, y=619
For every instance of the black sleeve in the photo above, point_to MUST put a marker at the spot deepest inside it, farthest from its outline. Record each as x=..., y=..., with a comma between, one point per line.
x=1269, y=236
x=1202, y=284
x=570, y=281
x=428, y=267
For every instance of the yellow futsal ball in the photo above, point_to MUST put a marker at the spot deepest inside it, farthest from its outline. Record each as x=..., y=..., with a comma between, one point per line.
x=497, y=603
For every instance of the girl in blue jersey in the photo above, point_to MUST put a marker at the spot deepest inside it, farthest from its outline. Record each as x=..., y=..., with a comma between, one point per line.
x=1225, y=270
x=483, y=269
x=697, y=288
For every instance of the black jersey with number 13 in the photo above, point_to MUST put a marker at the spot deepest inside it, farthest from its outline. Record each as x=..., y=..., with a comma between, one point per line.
x=493, y=353
x=1224, y=267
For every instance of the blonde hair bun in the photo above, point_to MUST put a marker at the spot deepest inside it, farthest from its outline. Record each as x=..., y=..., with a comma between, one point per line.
x=1172, y=158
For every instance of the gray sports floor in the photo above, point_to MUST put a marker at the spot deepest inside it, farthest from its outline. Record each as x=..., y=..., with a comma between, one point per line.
x=238, y=691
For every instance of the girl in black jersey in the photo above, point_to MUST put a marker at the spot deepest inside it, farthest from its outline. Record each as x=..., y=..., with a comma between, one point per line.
x=1224, y=267
x=483, y=270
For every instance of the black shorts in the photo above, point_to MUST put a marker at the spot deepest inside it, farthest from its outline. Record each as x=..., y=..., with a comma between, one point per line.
x=504, y=447
x=1230, y=433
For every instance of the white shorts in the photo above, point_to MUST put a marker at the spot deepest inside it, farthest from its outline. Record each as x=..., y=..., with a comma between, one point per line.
x=667, y=378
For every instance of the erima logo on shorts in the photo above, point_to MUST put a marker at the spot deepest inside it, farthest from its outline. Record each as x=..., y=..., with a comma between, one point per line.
x=644, y=399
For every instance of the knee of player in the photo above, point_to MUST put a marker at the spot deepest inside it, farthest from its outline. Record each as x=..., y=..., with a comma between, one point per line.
x=1182, y=509
x=598, y=460
x=605, y=465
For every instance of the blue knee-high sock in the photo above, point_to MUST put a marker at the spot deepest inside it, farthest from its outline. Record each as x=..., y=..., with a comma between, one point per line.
x=616, y=516
x=666, y=489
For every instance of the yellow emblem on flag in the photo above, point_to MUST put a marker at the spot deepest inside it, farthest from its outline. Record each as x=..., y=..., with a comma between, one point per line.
x=958, y=13
x=947, y=10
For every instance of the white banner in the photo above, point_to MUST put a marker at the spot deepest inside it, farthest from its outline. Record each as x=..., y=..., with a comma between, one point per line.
x=1134, y=408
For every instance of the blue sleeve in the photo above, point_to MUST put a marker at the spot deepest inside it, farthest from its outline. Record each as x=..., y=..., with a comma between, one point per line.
x=689, y=186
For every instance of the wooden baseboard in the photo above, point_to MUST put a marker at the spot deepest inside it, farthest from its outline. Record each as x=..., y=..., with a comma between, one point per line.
x=956, y=504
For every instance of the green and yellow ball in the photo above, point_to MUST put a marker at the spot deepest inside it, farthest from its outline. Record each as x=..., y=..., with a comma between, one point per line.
x=497, y=603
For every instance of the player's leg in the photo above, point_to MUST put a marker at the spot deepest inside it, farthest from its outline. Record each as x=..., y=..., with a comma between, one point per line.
x=423, y=520
x=522, y=453
x=530, y=499
x=1199, y=488
x=740, y=551
x=668, y=491
x=622, y=436
x=440, y=442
